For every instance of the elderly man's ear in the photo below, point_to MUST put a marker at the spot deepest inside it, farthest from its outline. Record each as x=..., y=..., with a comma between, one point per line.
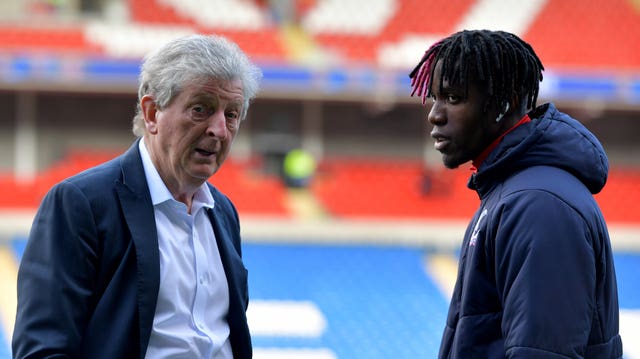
x=149, y=112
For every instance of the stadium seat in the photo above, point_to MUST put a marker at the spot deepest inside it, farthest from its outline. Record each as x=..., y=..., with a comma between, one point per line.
x=601, y=36
x=349, y=32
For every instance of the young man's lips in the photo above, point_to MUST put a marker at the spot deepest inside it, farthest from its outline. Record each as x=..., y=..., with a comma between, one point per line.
x=441, y=144
x=441, y=141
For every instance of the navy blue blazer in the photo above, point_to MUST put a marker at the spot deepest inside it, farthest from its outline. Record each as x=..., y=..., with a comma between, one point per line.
x=88, y=281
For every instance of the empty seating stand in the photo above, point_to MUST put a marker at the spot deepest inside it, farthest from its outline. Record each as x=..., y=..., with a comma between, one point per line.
x=353, y=34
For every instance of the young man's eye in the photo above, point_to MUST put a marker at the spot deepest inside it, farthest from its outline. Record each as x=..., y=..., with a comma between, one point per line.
x=452, y=98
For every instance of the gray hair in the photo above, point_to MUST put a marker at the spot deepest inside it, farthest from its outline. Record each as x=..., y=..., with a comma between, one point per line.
x=192, y=59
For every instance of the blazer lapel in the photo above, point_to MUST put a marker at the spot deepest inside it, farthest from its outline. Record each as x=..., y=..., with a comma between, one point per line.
x=238, y=296
x=139, y=216
x=231, y=261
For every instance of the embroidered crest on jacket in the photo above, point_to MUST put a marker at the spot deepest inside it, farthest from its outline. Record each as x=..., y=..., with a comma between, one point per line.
x=476, y=229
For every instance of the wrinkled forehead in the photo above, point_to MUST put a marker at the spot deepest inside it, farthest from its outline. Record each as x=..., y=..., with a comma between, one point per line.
x=212, y=84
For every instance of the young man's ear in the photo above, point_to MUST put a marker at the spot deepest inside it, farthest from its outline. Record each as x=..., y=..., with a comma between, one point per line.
x=149, y=112
x=498, y=104
x=505, y=106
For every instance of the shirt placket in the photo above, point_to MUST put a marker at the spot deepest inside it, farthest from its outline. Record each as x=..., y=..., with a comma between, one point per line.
x=202, y=281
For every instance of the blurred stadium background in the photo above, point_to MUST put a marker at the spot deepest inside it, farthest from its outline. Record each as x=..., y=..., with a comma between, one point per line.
x=360, y=263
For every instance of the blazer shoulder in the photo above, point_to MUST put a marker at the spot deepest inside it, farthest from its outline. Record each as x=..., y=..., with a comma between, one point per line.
x=97, y=177
x=104, y=175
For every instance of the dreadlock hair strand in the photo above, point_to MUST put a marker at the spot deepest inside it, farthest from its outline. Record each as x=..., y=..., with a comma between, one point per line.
x=501, y=61
x=422, y=73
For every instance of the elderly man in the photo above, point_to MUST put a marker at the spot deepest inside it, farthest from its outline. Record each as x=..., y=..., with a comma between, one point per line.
x=140, y=257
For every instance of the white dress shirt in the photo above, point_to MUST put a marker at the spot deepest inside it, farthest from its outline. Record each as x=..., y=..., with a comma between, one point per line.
x=193, y=300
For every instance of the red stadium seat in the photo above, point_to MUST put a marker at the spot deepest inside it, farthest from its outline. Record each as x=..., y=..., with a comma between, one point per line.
x=45, y=39
x=591, y=34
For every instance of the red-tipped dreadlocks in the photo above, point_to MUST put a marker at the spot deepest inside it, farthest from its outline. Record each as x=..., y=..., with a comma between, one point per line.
x=421, y=74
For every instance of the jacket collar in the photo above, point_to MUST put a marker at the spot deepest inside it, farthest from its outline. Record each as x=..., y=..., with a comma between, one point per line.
x=138, y=214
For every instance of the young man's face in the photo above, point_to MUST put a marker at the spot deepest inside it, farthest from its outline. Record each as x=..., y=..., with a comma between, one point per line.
x=463, y=125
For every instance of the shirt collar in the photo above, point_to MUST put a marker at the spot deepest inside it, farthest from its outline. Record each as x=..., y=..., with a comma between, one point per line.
x=484, y=154
x=159, y=191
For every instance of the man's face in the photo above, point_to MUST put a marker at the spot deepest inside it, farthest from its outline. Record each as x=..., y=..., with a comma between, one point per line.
x=189, y=140
x=462, y=124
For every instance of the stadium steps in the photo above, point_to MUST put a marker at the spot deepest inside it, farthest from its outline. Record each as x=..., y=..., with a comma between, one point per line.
x=299, y=46
x=304, y=205
x=8, y=278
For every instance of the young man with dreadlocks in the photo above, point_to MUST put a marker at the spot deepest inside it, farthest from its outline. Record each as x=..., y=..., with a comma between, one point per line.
x=536, y=275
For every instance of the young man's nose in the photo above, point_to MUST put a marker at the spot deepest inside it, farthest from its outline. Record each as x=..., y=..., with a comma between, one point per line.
x=436, y=114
